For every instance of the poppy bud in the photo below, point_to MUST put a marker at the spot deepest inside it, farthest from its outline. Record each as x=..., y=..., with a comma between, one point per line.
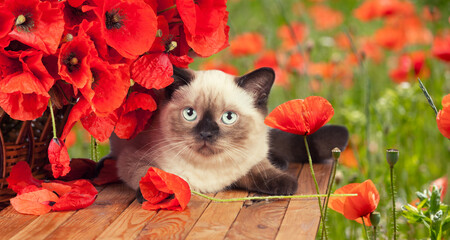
x=392, y=156
x=336, y=152
x=375, y=218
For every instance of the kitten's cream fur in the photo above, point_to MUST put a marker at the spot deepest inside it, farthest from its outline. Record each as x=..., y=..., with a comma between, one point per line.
x=169, y=144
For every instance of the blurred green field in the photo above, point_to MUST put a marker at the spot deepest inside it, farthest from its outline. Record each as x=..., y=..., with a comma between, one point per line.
x=374, y=107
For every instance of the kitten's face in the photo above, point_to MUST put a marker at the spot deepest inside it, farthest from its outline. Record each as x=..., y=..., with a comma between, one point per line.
x=212, y=115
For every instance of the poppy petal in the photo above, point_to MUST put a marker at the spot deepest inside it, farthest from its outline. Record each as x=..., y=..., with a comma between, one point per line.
x=81, y=195
x=158, y=188
x=302, y=117
x=36, y=202
x=153, y=71
x=21, y=177
x=337, y=203
x=363, y=204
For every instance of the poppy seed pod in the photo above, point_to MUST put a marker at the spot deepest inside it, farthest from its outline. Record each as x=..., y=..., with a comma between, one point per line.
x=336, y=152
x=392, y=156
x=375, y=218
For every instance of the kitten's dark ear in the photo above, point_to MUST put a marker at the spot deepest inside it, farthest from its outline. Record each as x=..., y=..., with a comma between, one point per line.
x=181, y=77
x=258, y=83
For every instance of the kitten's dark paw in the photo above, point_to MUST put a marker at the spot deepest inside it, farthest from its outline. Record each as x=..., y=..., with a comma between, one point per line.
x=139, y=196
x=279, y=163
x=281, y=185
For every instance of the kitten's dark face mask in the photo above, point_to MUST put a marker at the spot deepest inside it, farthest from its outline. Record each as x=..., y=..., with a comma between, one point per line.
x=210, y=122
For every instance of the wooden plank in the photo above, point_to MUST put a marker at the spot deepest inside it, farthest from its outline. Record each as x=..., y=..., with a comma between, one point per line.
x=90, y=222
x=303, y=216
x=261, y=220
x=42, y=226
x=218, y=217
x=129, y=224
x=11, y=222
x=173, y=224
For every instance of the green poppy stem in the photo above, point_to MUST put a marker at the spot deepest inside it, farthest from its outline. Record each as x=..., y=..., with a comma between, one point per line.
x=94, y=149
x=365, y=228
x=50, y=105
x=315, y=180
x=393, y=202
x=336, y=153
x=374, y=232
x=268, y=197
x=167, y=9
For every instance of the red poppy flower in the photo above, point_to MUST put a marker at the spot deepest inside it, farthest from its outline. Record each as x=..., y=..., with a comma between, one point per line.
x=441, y=48
x=36, y=202
x=38, y=24
x=354, y=208
x=136, y=112
x=155, y=70
x=74, y=13
x=108, y=87
x=205, y=25
x=128, y=26
x=269, y=59
x=333, y=18
x=289, y=41
x=20, y=177
x=75, y=58
x=6, y=22
x=371, y=49
x=296, y=62
x=302, y=117
x=58, y=157
x=24, y=85
x=100, y=127
x=163, y=190
x=246, y=44
x=443, y=117
x=390, y=37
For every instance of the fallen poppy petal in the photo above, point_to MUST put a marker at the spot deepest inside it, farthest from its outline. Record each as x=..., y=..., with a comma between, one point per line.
x=35, y=203
x=164, y=190
x=81, y=195
x=21, y=177
x=58, y=188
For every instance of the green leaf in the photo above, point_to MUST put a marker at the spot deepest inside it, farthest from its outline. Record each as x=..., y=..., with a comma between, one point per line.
x=435, y=201
x=446, y=224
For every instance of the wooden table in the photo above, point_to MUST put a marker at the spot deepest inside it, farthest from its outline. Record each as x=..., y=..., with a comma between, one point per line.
x=117, y=215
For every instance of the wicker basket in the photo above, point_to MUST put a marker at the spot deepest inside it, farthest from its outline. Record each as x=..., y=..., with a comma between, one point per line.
x=26, y=141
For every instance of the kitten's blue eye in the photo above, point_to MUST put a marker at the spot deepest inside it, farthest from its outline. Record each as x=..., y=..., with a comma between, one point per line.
x=189, y=114
x=229, y=117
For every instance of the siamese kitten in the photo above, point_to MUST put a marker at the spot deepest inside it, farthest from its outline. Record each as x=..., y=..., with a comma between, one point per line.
x=210, y=131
